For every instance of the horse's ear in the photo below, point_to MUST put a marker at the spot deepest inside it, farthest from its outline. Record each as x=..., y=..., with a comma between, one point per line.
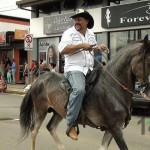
x=146, y=39
x=147, y=42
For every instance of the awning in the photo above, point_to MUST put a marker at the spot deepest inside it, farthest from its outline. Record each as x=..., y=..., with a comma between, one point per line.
x=30, y=3
x=43, y=6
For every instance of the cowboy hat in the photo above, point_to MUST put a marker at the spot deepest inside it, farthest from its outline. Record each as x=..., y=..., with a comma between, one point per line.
x=85, y=15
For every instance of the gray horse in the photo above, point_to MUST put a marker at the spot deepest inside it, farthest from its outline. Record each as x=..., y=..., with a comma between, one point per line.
x=107, y=107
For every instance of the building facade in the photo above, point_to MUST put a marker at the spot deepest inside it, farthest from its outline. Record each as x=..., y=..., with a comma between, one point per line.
x=50, y=18
x=12, y=34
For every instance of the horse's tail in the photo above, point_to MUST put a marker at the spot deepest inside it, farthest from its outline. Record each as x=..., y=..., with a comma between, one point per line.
x=26, y=115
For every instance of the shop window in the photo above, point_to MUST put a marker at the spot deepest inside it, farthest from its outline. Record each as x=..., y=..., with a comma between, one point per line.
x=120, y=39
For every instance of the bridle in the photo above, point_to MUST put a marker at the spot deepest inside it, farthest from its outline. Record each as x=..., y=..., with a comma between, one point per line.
x=146, y=82
x=145, y=79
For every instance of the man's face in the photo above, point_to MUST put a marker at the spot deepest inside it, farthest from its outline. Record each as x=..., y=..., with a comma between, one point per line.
x=80, y=23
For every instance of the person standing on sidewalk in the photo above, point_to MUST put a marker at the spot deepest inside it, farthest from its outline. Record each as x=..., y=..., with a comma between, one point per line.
x=13, y=69
x=9, y=78
x=3, y=84
x=76, y=44
x=26, y=73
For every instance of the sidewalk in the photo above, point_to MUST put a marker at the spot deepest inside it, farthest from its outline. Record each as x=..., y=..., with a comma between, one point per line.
x=15, y=88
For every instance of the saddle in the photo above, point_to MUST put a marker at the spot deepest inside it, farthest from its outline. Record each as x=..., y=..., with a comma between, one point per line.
x=91, y=79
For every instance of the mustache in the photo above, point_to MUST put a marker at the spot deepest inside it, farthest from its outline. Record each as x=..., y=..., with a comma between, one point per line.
x=77, y=24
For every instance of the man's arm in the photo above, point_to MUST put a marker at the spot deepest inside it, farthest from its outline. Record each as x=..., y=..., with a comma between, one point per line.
x=69, y=49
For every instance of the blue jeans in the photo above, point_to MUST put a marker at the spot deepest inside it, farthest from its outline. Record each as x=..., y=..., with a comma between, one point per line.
x=14, y=76
x=77, y=81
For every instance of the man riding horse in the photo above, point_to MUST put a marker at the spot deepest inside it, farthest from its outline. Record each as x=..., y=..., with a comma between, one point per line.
x=75, y=44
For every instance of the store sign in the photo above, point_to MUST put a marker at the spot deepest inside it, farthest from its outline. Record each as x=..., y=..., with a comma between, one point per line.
x=2, y=38
x=20, y=34
x=57, y=24
x=28, y=42
x=133, y=14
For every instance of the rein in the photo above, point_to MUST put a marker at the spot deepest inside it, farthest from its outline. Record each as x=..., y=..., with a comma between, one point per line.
x=144, y=85
x=128, y=117
x=123, y=86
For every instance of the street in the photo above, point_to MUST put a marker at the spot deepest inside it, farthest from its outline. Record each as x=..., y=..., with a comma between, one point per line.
x=137, y=133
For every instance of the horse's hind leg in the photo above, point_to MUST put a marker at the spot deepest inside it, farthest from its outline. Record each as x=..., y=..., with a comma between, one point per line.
x=39, y=118
x=106, y=140
x=52, y=126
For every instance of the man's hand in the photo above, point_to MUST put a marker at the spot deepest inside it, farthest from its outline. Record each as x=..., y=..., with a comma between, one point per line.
x=87, y=47
x=102, y=47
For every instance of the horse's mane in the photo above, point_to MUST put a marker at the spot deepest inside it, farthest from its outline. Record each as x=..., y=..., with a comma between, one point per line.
x=125, y=53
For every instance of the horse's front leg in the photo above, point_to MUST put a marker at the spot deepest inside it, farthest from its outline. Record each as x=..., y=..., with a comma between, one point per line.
x=106, y=140
x=118, y=136
x=52, y=126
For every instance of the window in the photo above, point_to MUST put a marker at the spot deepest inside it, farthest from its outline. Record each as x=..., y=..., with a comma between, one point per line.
x=120, y=39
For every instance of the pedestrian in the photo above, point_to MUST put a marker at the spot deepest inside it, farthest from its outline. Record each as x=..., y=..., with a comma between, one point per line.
x=3, y=84
x=2, y=68
x=9, y=75
x=13, y=70
x=76, y=45
x=52, y=67
x=34, y=71
x=44, y=68
x=32, y=65
x=26, y=73
x=7, y=62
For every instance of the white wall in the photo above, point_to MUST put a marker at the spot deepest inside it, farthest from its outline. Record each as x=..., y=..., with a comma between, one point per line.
x=4, y=26
x=36, y=25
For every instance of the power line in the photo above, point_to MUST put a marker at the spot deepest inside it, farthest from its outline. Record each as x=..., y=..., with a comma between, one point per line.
x=7, y=6
x=9, y=10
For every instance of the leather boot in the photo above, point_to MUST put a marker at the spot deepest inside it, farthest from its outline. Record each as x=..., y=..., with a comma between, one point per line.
x=72, y=133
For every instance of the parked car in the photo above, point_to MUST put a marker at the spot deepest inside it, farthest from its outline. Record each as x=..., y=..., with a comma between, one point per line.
x=140, y=104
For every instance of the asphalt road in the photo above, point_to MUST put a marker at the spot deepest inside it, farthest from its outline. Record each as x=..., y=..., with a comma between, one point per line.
x=89, y=138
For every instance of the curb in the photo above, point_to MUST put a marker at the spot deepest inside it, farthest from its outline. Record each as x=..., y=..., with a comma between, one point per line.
x=14, y=92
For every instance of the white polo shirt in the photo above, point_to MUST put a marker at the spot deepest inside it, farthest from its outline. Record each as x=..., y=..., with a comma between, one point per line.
x=82, y=60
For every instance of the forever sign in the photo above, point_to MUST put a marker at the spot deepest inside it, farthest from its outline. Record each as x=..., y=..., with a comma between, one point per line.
x=28, y=42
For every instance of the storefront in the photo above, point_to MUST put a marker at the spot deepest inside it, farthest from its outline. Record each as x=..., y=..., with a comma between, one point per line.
x=126, y=23
x=117, y=22
x=12, y=46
